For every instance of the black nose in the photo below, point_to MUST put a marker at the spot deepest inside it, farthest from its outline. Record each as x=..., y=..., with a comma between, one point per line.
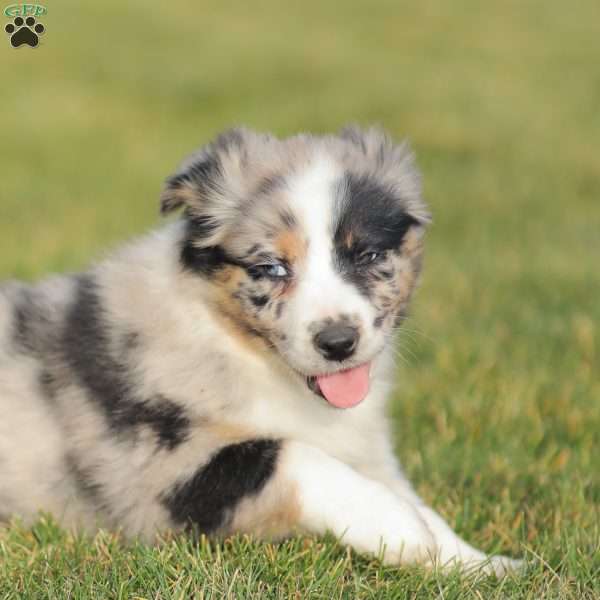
x=336, y=342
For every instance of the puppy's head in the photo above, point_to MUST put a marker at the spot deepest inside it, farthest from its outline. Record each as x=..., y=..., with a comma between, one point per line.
x=310, y=245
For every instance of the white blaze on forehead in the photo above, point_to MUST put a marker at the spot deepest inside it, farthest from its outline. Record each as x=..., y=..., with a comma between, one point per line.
x=321, y=291
x=311, y=193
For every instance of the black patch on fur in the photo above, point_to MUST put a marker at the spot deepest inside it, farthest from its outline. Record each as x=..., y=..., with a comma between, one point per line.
x=372, y=214
x=373, y=217
x=259, y=301
x=167, y=419
x=107, y=378
x=204, y=261
x=254, y=273
x=207, y=500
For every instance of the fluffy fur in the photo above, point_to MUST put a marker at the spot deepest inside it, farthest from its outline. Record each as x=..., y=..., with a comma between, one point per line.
x=176, y=384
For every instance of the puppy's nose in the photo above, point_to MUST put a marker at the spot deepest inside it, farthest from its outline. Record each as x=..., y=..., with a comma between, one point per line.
x=337, y=341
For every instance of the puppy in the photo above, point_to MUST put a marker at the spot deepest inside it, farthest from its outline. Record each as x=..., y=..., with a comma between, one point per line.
x=229, y=372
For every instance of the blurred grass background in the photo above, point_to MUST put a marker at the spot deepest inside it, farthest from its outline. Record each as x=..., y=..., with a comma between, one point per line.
x=498, y=409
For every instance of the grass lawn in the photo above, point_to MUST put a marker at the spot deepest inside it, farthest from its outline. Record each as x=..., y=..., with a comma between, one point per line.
x=497, y=413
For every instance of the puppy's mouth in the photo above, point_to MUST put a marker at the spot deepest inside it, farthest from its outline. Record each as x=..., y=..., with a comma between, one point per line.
x=343, y=389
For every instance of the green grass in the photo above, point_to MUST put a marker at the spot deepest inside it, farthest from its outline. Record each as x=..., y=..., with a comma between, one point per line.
x=498, y=407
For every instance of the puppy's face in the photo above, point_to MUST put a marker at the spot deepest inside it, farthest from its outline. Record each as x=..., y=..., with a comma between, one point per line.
x=311, y=246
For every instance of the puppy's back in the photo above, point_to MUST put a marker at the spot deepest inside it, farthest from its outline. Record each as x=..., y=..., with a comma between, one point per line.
x=31, y=444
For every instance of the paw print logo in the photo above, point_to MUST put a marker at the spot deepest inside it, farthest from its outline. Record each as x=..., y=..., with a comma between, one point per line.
x=24, y=32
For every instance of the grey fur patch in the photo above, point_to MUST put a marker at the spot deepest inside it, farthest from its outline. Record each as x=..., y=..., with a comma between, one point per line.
x=108, y=380
x=84, y=481
x=31, y=322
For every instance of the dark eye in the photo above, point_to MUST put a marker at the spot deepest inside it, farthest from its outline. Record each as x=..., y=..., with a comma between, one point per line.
x=271, y=270
x=367, y=258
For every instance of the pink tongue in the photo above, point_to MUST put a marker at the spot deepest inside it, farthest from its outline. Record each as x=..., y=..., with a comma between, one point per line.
x=346, y=388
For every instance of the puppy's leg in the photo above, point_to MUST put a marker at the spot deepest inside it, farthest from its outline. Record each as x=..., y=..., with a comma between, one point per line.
x=328, y=495
x=452, y=550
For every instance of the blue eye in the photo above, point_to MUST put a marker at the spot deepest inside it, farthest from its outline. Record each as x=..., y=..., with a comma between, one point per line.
x=271, y=270
x=276, y=271
x=368, y=258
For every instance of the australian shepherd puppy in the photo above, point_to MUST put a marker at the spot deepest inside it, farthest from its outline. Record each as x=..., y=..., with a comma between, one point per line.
x=229, y=372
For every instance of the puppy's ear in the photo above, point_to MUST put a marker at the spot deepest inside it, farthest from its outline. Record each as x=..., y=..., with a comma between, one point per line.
x=192, y=182
x=391, y=163
x=201, y=176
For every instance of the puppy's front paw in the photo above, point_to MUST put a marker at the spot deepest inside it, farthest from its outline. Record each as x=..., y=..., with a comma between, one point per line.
x=503, y=565
x=455, y=553
x=413, y=543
